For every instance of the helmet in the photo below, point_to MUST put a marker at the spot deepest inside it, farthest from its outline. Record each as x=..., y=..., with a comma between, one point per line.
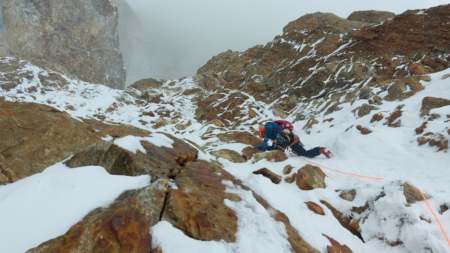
x=261, y=131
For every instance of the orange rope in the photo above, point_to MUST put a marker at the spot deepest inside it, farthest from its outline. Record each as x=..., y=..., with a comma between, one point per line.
x=442, y=228
x=376, y=178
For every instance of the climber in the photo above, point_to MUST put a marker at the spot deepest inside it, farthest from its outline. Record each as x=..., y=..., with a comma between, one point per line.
x=280, y=132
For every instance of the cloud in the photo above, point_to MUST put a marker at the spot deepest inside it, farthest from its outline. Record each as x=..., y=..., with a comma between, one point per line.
x=177, y=36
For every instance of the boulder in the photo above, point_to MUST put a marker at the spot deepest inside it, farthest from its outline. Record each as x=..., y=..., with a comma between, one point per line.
x=315, y=208
x=248, y=152
x=276, y=179
x=123, y=226
x=310, y=177
x=365, y=110
x=412, y=195
x=159, y=162
x=363, y=130
x=375, y=17
x=49, y=37
x=376, y=117
x=274, y=155
x=429, y=103
x=337, y=247
x=230, y=155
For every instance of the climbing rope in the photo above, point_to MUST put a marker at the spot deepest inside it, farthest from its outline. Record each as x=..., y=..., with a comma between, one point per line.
x=375, y=178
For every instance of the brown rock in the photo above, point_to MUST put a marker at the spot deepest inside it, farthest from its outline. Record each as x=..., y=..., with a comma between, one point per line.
x=248, y=152
x=124, y=226
x=361, y=209
x=230, y=155
x=348, y=195
x=429, y=103
x=274, y=155
x=421, y=140
x=420, y=129
x=310, y=177
x=363, y=130
x=287, y=169
x=276, y=179
x=291, y=179
x=365, y=109
x=376, y=117
x=159, y=162
x=442, y=209
x=310, y=123
x=441, y=144
x=376, y=17
x=412, y=195
x=241, y=137
x=391, y=120
x=323, y=21
x=315, y=208
x=35, y=136
x=344, y=220
x=355, y=224
x=337, y=247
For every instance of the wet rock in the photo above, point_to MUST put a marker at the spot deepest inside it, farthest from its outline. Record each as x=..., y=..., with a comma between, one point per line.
x=315, y=208
x=159, y=162
x=363, y=130
x=375, y=17
x=348, y=195
x=123, y=226
x=248, y=152
x=412, y=195
x=429, y=103
x=337, y=247
x=276, y=179
x=310, y=177
x=274, y=155
x=343, y=220
x=230, y=155
x=287, y=169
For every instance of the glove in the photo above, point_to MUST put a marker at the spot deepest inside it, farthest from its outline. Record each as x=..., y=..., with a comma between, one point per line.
x=264, y=145
x=260, y=148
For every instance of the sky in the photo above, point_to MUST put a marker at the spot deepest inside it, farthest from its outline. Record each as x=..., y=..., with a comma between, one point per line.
x=181, y=36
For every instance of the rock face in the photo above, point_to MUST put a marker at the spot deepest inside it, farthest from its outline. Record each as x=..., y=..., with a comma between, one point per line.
x=124, y=226
x=77, y=37
x=35, y=136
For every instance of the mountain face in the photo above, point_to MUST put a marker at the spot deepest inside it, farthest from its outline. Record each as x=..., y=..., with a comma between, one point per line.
x=78, y=38
x=372, y=88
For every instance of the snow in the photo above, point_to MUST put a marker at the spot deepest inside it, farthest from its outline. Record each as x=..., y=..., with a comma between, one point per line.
x=44, y=206
x=389, y=153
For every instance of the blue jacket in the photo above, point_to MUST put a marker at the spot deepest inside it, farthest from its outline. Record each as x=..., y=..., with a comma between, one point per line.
x=272, y=129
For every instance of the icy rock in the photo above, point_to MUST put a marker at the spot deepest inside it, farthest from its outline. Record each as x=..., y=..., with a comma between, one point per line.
x=124, y=224
x=310, y=177
x=315, y=208
x=230, y=155
x=274, y=155
x=276, y=179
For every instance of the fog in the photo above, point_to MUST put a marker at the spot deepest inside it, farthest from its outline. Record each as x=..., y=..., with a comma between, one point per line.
x=173, y=38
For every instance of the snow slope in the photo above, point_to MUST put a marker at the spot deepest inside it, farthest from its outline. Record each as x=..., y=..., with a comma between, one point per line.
x=389, y=153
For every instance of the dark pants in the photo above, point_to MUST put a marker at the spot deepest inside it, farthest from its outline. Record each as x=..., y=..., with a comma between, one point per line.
x=298, y=149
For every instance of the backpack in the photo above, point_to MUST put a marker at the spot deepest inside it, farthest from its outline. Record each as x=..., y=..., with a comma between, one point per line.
x=284, y=124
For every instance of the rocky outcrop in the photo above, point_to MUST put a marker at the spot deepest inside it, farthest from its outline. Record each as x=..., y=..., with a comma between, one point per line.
x=310, y=177
x=375, y=17
x=159, y=162
x=76, y=37
x=123, y=226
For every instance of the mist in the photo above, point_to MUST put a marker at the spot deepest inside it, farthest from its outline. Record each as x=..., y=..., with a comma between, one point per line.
x=171, y=39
